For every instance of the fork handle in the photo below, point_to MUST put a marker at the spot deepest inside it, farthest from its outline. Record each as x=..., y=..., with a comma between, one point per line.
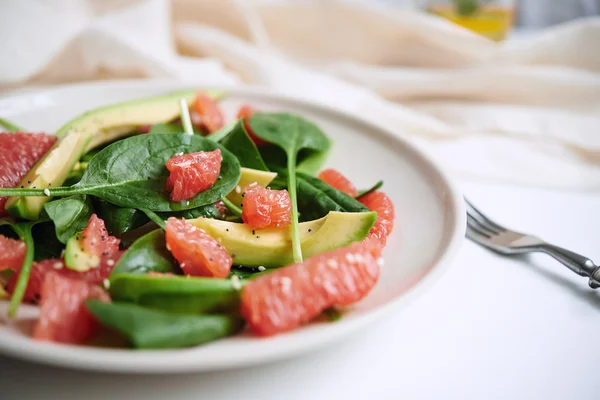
x=575, y=262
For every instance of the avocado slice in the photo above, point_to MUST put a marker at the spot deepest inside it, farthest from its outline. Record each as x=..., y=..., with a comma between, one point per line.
x=272, y=247
x=76, y=258
x=248, y=176
x=89, y=130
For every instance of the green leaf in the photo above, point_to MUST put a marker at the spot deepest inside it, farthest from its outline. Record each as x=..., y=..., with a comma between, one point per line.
x=317, y=198
x=47, y=244
x=223, y=132
x=119, y=220
x=166, y=128
x=70, y=215
x=466, y=7
x=148, y=253
x=132, y=173
x=312, y=163
x=151, y=329
x=240, y=144
x=332, y=314
x=177, y=294
x=292, y=133
x=207, y=211
x=370, y=190
x=10, y=127
x=23, y=230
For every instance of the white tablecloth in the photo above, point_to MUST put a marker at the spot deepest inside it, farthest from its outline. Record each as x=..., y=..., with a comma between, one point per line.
x=490, y=328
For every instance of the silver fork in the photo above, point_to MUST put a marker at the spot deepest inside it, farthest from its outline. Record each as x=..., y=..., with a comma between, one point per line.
x=489, y=234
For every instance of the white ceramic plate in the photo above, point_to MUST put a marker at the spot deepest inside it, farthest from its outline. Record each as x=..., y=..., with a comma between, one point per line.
x=429, y=227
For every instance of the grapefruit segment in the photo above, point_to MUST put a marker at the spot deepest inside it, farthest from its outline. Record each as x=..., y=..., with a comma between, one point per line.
x=293, y=295
x=382, y=204
x=196, y=251
x=64, y=317
x=192, y=173
x=266, y=208
x=20, y=151
x=12, y=253
x=335, y=179
x=206, y=113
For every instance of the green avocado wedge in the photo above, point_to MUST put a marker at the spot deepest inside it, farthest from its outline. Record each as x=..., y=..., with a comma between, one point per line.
x=272, y=247
x=91, y=129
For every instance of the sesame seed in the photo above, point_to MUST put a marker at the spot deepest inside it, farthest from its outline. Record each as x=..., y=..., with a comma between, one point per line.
x=220, y=177
x=178, y=154
x=233, y=255
x=235, y=282
x=28, y=181
x=261, y=268
x=253, y=232
x=258, y=236
x=210, y=259
x=110, y=263
x=227, y=229
x=310, y=230
x=106, y=284
x=238, y=189
x=47, y=192
x=168, y=247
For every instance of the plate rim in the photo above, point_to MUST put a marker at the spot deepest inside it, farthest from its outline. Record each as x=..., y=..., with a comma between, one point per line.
x=76, y=357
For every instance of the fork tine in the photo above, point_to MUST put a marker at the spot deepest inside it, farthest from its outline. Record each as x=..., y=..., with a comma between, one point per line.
x=482, y=219
x=477, y=227
x=476, y=237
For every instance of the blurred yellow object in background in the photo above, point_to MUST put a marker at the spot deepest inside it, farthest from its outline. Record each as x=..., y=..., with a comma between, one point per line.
x=492, y=19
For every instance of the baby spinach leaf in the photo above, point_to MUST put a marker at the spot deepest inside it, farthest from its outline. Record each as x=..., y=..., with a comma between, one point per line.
x=317, y=198
x=119, y=220
x=166, y=128
x=152, y=329
x=177, y=294
x=47, y=244
x=312, y=163
x=132, y=173
x=23, y=230
x=223, y=132
x=207, y=211
x=10, y=127
x=240, y=144
x=291, y=133
x=370, y=190
x=148, y=253
x=70, y=215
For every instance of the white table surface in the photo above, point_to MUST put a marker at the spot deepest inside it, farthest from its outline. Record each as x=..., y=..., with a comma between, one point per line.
x=490, y=328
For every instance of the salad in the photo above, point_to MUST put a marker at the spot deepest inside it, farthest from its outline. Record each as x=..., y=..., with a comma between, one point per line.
x=159, y=221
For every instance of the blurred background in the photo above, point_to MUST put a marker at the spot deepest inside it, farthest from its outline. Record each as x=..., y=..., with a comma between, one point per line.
x=494, y=18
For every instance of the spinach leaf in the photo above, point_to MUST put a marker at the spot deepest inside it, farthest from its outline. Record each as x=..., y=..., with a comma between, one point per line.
x=332, y=314
x=207, y=211
x=47, y=244
x=309, y=161
x=240, y=144
x=70, y=215
x=22, y=229
x=148, y=253
x=370, y=190
x=119, y=220
x=177, y=294
x=317, y=198
x=132, y=173
x=10, y=127
x=151, y=329
x=166, y=128
x=223, y=132
x=291, y=133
